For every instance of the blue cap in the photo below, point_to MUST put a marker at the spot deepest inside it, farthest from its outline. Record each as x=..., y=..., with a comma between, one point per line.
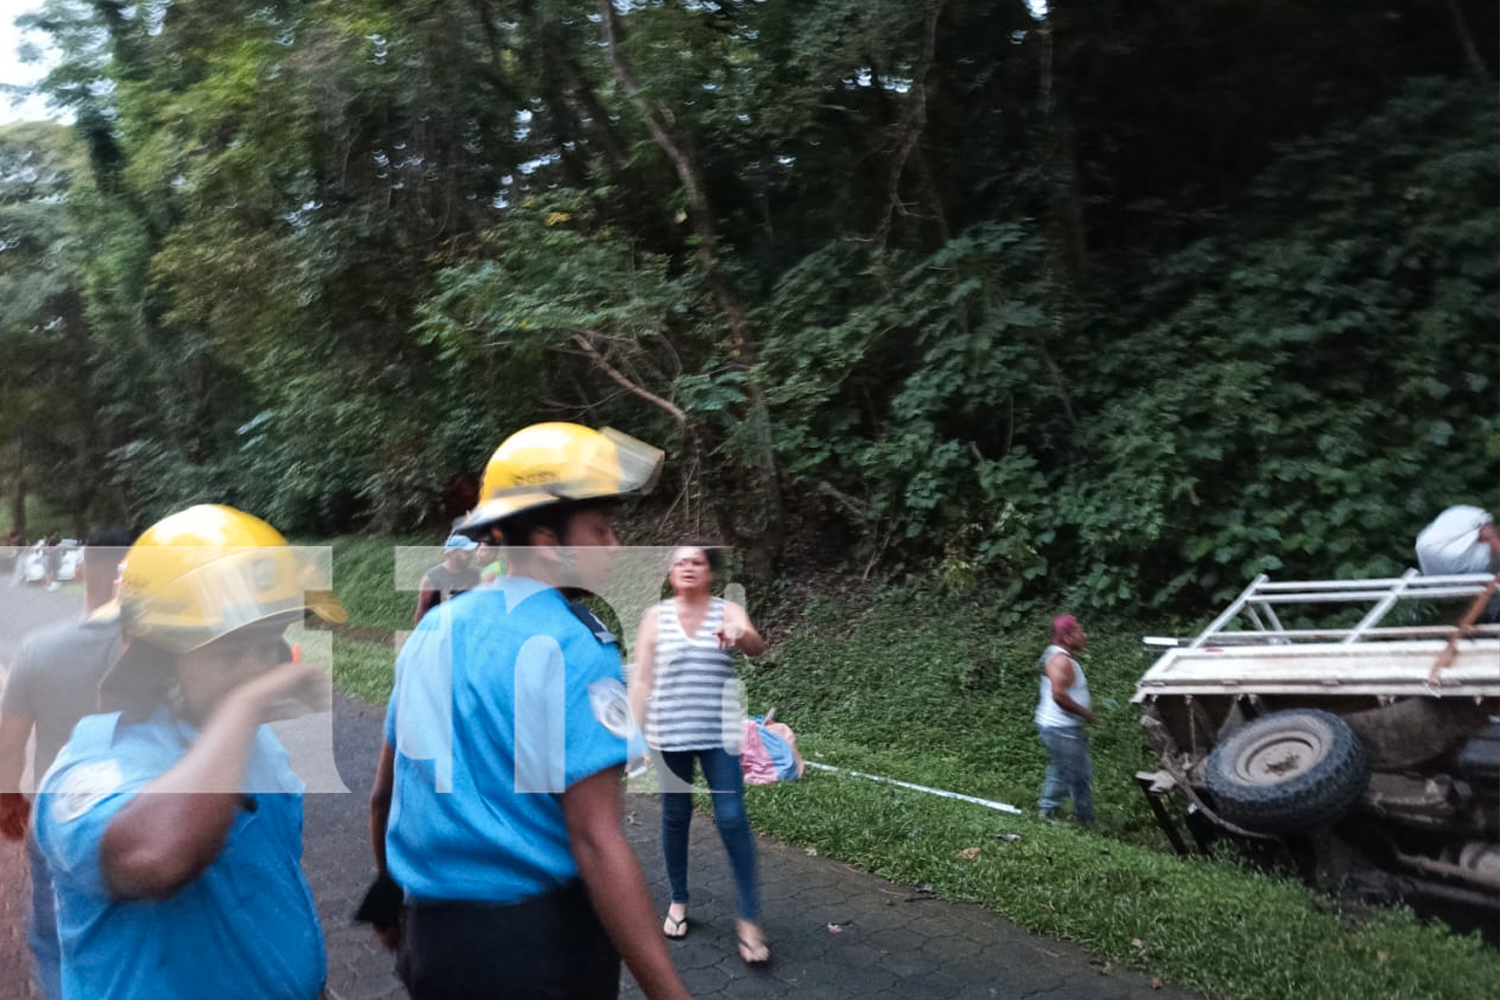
x=458, y=543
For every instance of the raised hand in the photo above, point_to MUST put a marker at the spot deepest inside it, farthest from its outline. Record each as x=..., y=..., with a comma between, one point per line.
x=289, y=691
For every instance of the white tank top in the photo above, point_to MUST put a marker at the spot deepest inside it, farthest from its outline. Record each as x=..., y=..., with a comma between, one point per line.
x=1048, y=713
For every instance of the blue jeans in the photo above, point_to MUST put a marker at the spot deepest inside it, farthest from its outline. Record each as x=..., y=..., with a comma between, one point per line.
x=722, y=770
x=41, y=926
x=1069, y=771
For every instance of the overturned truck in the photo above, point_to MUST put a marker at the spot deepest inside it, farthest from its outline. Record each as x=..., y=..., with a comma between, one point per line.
x=1346, y=722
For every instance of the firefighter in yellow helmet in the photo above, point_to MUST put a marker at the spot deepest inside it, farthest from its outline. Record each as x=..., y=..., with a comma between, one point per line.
x=172, y=825
x=497, y=801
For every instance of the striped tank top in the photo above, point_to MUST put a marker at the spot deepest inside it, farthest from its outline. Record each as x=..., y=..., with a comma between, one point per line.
x=695, y=700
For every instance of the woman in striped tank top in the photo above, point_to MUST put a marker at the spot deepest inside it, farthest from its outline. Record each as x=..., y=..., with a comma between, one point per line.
x=685, y=688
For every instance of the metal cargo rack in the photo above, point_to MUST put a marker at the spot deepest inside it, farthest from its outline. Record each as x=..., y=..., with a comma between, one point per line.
x=1247, y=649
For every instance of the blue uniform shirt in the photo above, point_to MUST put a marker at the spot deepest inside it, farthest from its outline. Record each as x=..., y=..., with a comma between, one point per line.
x=504, y=698
x=246, y=927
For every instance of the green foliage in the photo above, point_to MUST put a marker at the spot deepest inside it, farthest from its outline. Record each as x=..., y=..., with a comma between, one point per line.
x=955, y=344
x=555, y=274
x=1327, y=382
x=50, y=431
x=1295, y=396
x=364, y=651
x=364, y=577
x=955, y=290
x=41, y=518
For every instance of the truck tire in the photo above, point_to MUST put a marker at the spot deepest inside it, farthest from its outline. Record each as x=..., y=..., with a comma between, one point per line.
x=1288, y=771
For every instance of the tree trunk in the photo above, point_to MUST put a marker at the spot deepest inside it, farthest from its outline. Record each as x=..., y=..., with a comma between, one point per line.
x=739, y=345
x=18, y=499
x=909, y=135
x=1064, y=225
x=1465, y=38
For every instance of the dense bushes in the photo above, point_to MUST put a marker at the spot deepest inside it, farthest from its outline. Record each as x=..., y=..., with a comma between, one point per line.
x=1297, y=394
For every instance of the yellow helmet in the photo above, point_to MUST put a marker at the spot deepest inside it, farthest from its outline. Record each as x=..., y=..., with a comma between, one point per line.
x=207, y=571
x=548, y=463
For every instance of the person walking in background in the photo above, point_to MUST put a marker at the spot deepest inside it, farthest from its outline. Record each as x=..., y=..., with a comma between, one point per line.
x=1063, y=708
x=54, y=683
x=497, y=807
x=685, y=687
x=490, y=562
x=449, y=578
x=51, y=561
x=173, y=825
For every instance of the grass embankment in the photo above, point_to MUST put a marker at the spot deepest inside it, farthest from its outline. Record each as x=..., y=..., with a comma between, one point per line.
x=934, y=693
x=364, y=576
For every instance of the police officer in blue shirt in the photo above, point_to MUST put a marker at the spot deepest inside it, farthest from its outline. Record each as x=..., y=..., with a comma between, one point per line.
x=498, y=799
x=173, y=826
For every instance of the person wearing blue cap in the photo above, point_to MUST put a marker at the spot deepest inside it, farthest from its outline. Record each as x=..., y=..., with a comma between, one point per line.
x=449, y=578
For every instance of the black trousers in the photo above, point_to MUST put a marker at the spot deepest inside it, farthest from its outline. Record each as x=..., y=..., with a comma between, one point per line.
x=552, y=947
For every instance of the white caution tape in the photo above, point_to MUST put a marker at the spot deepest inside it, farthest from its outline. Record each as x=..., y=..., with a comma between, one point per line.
x=997, y=806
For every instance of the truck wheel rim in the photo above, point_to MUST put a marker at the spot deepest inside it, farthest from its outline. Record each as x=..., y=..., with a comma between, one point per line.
x=1279, y=757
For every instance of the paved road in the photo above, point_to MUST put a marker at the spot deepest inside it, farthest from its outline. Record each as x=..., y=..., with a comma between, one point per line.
x=892, y=943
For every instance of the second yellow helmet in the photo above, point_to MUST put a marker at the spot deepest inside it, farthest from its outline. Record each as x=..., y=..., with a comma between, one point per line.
x=552, y=462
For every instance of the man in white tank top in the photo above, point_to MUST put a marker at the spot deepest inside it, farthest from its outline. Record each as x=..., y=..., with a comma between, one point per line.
x=1063, y=708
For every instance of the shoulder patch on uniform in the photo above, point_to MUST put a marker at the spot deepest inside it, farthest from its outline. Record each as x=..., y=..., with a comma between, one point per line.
x=611, y=706
x=84, y=786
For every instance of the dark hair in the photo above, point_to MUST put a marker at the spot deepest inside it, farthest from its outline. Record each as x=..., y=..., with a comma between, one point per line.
x=103, y=550
x=516, y=530
x=114, y=537
x=712, y=551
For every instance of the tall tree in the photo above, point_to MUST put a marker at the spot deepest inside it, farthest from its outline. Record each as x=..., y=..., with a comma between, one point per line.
x=49, y=426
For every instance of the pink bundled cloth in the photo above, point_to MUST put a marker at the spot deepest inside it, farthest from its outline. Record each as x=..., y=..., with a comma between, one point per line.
x=755, y=762
x=769, y=752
